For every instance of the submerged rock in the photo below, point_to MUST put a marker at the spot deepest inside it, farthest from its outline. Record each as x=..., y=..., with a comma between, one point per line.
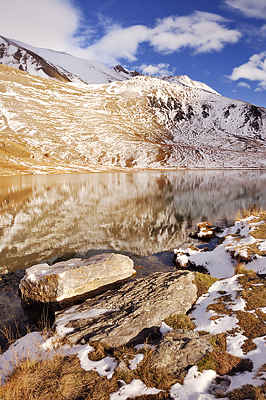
x=180, y=349
x=131, y=313
x=75, y=277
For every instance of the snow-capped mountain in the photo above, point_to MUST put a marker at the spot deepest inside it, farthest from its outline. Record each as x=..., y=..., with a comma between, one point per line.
x=47, y=63
x=184, y=80
x=142, y=123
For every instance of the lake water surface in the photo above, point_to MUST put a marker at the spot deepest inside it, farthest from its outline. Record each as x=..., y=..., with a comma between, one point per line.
x=142, y=214
x=42, y=217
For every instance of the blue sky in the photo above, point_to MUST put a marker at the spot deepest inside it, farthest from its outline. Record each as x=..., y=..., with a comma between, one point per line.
x=219, y=42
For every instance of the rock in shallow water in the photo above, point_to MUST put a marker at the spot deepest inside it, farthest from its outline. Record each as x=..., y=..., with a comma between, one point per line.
x=75, y=277
x=131, y=313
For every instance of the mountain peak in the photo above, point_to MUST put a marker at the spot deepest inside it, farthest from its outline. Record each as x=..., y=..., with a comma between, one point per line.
x=47, y=63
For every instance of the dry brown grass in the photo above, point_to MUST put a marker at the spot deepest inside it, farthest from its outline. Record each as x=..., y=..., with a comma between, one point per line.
x=260, y=231
x=249, y=276
x=246, y=392
x=60, y=378
x=159, y=396
x=251, y=325
x=222, y=362
x=180, y=321
x=100, y=351
x=155, y=377
x=219, y=307
x=254, y=288
x=251, y=209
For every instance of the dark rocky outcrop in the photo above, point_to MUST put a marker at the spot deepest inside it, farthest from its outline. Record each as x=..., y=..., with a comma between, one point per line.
x=130, y=314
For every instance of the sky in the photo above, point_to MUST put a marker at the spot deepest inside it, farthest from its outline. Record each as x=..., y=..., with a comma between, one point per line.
x=219, y=42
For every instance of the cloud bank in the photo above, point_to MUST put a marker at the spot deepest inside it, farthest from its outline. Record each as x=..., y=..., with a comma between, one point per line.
x=253, y=70
x=59, y=25
x=250, y=8
x=201, y=32
x=49, y=23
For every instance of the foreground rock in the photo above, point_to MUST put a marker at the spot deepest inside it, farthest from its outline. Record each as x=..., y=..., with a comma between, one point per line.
x=75, y=277
x=180, y=349
x=130, y=314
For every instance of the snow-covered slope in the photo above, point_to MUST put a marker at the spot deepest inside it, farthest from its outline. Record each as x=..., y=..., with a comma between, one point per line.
x=55, y=64
x=143, y=123
x=47, y=63
x=184, y=80
x=48, y=126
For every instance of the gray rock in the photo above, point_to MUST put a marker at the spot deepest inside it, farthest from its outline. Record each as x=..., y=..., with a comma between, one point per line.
x=75, y=277
x=180, y=349
x=130, y=314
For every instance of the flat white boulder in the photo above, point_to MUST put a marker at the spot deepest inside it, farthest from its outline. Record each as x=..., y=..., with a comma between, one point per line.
x=68, y=279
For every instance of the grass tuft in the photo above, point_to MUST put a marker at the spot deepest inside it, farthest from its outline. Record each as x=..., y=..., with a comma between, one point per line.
x=60, y=378
x=222, y=362
x=100, y=351
x=155, y=377
x=246, y=392
x=251, y=209
x=180, y=321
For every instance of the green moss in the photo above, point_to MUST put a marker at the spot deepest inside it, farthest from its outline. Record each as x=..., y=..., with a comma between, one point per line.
x=203, y=282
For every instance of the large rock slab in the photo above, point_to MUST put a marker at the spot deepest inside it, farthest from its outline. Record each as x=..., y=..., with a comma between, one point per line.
x=129, y=314
x=75, y=277
x=180, y=349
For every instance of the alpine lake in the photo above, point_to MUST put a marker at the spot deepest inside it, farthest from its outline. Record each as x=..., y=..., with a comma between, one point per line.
x=144, y=215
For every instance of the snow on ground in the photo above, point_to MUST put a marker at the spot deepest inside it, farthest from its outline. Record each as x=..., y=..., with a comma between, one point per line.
x=28, y=346
x=105, y=367
x=195, y=386
x=135, y=361
x=133, y=389
x=221, y=261
x=201, y=315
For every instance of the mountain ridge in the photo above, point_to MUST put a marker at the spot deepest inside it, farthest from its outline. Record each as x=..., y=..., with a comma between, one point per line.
x=47, y=126
x=62, y=66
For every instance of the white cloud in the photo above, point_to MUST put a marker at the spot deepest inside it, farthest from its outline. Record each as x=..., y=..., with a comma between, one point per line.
x=253, y=70
x=250, y=8
x=159, y=69
x=119, y=43
x=49, y=23
x=201, y=31
x=244, y=85
x=59, y=24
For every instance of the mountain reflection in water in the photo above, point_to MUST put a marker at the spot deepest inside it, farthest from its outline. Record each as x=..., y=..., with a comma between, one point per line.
x=139, y=213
